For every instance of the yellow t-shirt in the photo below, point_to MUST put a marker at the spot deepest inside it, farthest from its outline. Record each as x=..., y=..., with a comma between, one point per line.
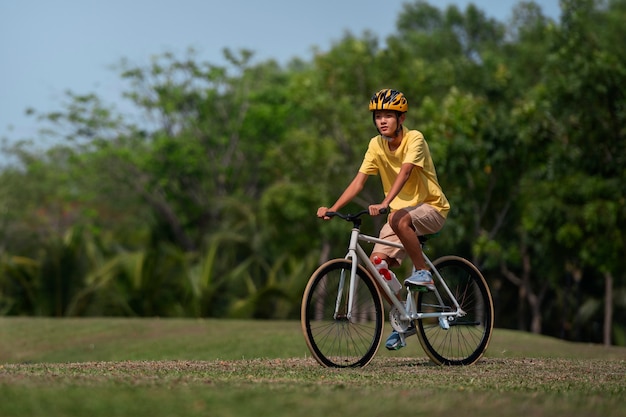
x=422, y=186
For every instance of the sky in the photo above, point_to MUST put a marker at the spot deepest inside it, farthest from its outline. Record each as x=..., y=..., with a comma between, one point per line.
x=48, y=47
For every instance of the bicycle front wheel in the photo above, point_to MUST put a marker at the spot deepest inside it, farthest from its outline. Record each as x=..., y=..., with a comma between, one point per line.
x=335, y=337
x=458, y=340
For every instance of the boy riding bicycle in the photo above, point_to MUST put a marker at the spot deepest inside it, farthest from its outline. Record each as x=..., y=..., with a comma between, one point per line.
x=418, y=205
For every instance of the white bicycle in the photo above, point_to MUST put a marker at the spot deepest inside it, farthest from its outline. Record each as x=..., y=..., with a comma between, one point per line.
x=342, y=312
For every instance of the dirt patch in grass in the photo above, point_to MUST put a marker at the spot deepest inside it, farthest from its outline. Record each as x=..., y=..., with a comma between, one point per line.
x=605, y=377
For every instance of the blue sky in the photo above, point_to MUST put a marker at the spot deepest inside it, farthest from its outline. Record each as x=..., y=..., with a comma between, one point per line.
x=50, y=46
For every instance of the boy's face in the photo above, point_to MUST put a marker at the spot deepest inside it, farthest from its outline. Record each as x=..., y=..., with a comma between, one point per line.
x=387, y=121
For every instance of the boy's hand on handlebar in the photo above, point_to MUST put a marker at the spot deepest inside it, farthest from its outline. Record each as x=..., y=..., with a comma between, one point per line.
x=376, y=209
x=321, y=213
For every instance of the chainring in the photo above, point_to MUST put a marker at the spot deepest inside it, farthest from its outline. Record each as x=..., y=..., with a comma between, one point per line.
x=399, y=325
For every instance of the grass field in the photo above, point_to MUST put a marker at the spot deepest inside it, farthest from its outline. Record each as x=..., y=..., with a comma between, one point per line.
x=156, y=367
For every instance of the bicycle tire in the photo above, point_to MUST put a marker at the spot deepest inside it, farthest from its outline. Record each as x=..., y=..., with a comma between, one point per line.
x=339, y=342
x=468, y=337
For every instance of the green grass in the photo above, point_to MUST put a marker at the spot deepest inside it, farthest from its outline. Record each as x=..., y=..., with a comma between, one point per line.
x=156, y=367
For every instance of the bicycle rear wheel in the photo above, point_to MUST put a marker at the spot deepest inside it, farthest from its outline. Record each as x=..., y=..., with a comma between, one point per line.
x=467, y=338
x=334, y=339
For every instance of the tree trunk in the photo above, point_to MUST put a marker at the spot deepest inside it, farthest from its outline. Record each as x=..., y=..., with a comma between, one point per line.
x=526, y=294
x=608, y=308
x=535, y=311
x=324, y=253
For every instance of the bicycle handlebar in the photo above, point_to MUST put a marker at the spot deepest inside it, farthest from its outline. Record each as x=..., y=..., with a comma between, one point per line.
x=351, y=217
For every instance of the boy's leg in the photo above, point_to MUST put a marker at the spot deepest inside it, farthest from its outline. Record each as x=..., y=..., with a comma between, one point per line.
x=393, y=256
x=402, y=225
x=419, y=221
x=408, y=225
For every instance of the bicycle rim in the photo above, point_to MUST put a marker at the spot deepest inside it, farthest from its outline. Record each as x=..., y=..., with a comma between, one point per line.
x=334, y=339
x=468, y=337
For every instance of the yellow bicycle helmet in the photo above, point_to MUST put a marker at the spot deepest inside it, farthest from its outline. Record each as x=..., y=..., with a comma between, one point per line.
x=388, y=99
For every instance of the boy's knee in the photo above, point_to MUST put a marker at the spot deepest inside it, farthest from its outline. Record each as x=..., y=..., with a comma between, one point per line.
x=400, y=220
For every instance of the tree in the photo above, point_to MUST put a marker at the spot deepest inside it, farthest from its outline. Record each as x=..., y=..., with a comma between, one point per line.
x=583, y=98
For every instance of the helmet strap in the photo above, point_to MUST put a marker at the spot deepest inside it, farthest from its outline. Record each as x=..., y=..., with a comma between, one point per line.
x=399, y=128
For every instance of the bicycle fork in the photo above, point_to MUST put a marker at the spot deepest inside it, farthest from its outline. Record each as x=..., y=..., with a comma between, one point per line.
x=351, y=292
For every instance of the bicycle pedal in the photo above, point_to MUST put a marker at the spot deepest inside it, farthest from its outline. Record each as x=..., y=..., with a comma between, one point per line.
x=417, y=288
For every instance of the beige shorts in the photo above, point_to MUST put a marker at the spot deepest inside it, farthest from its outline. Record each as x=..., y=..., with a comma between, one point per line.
x=426, y=220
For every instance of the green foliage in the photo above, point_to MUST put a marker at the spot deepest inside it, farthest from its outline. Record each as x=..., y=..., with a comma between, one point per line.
x=201, y=203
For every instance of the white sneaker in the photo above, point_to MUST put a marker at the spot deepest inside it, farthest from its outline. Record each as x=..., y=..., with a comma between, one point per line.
x=420, y=279
x=395, y=342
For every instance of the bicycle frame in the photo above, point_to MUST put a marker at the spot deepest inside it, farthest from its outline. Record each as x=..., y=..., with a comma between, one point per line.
x=407, y=311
